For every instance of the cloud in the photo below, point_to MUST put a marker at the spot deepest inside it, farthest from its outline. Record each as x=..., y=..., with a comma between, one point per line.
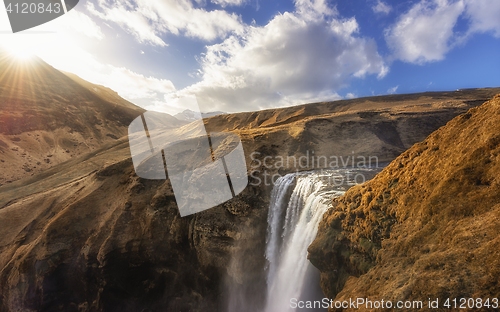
x=131, y=21
x=224, y=3
x=484, y=16
x=82, y=23
x=293, y=59
x=142, y=90
x=314, y=9
x=382, y=8
x=426, y=33
x=78, y=22
x=149, y=20
x=350, y=96
x=392, y=90
x=135, y=87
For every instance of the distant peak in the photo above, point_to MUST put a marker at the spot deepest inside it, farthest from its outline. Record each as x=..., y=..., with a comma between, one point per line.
x=189, y=115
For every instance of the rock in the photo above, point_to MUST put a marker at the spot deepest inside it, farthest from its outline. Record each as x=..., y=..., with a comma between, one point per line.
x=425, y=227
x=89, y=234
x=56, y=102
x=27, y=168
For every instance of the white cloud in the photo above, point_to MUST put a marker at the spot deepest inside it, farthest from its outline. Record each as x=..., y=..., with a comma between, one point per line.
x=135, y=86
x=42, y=39
x=314, y=9
x=291, y=60
x=426, y=32
x=58, y=47
x=147, y=92
x=350, y=96
x=82, y=23
x=299, y=57
x=392, y=90
x=382, y=7
x=4, y=21
x=142, y=90
x=132, y=21
x=148, y=20
x=484, y=16
x=224, y=3
x=130, y=85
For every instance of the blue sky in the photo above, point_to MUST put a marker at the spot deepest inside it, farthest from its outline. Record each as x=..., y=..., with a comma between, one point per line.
x=245, y=55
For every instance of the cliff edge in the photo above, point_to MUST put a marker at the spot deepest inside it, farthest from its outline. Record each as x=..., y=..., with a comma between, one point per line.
x=427, y=226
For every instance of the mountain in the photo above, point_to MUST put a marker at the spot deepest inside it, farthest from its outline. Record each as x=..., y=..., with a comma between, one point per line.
x=426, y=227
x=189, y=115
x=89, y=235
x=381, y=127
x=48, y=117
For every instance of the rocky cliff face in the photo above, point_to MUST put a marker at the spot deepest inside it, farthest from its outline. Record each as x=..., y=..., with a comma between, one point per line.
x=427, y=226
x=110, y=241
x=89, y=235
x=48, y=117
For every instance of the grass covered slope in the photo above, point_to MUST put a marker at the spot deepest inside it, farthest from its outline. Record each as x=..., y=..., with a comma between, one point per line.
x=427, y=226
x=48, y=117
x=383, y=126
x=89, y=235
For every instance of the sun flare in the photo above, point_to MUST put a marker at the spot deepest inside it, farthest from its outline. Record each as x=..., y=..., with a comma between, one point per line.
x=20, y=47
x=21, y=54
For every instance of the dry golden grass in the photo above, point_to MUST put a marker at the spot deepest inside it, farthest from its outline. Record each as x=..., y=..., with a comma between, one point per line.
x=427, y=226
x=47, y=117
x=88, y=234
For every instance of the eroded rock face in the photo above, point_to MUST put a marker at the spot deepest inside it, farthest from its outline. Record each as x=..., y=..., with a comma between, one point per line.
x=427, y=226
x=119, y=244
x=59, y=118
x=89, y=235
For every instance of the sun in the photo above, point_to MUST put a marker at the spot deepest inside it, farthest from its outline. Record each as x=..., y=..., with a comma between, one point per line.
x=23, y=55
x=20, y=47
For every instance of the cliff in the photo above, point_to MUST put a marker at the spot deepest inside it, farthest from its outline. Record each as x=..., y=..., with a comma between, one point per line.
x=87, y=234
x=426, y=226
x=48, y=117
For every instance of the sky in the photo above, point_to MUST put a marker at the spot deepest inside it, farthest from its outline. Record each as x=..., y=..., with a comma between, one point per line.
x=247, y=55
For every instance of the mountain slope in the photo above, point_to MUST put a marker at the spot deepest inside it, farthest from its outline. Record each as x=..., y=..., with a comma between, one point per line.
x=86, y=234
x=381, y=127
x=189, y=115
x=409, y=103
x=47, y=117
x=90, y=235
x=427, y=226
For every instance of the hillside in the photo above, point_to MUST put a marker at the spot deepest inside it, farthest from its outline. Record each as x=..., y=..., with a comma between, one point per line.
x=89, y=235
x=189, y=115
x=374, y=105
x=381, y=127
x=47, y=117
x=427, y=226
x=82, y=232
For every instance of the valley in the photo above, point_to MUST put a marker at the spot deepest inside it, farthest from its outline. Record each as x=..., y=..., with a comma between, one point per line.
x=85, y=233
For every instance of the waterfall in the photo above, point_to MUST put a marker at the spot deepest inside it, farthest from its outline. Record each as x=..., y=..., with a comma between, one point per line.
x=298, y=202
